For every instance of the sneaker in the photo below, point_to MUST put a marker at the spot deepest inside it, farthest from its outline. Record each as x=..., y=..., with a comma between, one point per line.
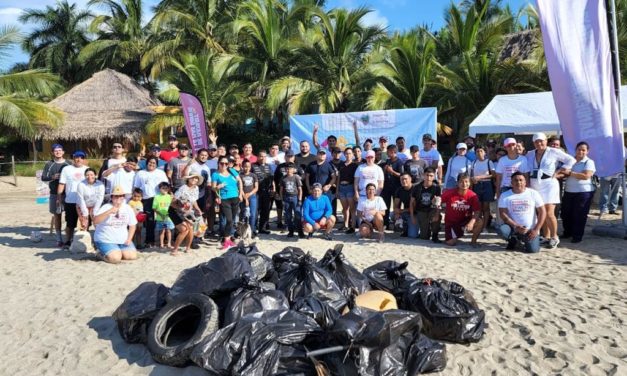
x=350, y=231
x=404, y=234
x=254, y=235
x=553, y=243
x=327, y=236
x=310, y=235
x=436, y=240
x=67, y=245
x=265, y=232
x=228, y=243
x=544, y=241
x=301, y=235
x=511, y=245
x=60, y=244
x=612, y=211
x=195, y=246
x=576, y=240
x=280, y=225
x=290, y=234
x=343, y=228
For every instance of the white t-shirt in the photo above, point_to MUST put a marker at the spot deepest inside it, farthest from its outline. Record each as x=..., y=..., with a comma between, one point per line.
x=506, y=167
x=521, y=207
x=113, y=230
x=149, y=181
x=71, y=176
x=123, y=179
x=370, y=207
x=457, y=164
x=275, y=161
x=404, y=155
x=431, y=156
x=368, y=174
x=480, y=168
x=574, y=185
x=90, y=195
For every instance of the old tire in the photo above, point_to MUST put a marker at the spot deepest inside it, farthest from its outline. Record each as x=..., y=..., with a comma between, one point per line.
x=180, y=326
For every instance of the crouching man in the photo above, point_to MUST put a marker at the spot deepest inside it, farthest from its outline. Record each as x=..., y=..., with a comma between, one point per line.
x=523, y=214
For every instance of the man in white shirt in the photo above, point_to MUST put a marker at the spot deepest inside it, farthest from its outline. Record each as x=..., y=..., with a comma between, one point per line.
x=70, y=178
x=431, y=155
x=274, y=158
x=110, y=164
x=509, y=164
x=523, y=214
x=368, y=173
x=403, y=152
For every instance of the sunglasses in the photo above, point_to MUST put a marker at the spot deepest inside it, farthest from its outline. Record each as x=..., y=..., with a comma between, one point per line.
x=117, y=146
x=224, y=163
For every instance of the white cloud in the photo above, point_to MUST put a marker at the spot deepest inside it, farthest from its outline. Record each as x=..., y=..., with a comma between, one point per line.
x=375, y=18
x=8, y=16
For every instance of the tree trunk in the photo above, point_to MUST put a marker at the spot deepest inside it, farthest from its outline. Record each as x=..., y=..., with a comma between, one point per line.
x=34, y=143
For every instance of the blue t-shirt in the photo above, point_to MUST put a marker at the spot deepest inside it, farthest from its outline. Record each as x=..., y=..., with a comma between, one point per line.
x=315, y=209
x=230, y=190
x=160, y=164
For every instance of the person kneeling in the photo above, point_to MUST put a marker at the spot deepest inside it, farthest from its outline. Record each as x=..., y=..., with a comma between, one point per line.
x=115, y=227
x=371, y=210
x=523, y=214
x=317, y=213
x=463, y=212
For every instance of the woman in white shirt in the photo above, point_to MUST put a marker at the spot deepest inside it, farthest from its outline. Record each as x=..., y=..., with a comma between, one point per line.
x=458, y=164
x=578, y=193
x=543, y=166
x=371, y=210
x=115, y=227
x=148, y=181
x=90, y=196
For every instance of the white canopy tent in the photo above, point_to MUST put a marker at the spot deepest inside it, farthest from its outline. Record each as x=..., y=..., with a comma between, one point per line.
x=524, y=114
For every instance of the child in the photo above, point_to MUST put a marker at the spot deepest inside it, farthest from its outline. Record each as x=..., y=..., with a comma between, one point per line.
x=136, y=204
x=291, y=193
x=164, y=224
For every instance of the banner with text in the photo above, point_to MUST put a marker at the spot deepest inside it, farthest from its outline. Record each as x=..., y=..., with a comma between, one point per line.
x=577, y=48
x=194, y=121
x=409, y=123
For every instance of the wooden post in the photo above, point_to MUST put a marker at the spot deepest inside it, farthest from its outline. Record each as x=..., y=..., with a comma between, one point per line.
x=13, y=170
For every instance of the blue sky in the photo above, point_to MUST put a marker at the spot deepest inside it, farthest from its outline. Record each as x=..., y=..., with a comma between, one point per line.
x=394, y=14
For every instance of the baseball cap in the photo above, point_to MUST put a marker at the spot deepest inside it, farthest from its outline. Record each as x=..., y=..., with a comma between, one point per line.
x=414, y=148
x=316, y=185
x=172, y=137
x=508, y=141
x=322, y=151
x=233, y=146
x=461, y=145
x=539, y=136
x=383, y=138
x=212, y=147
x=368, y=140
x=286, y=138
x=290, y=164
x=79, y=153
x=427, y=136
x=57, y=146
x=289, y=153
x=117, y=191
x=155, y=147
x=469, y=136
x=370, y=154
x=183, y=146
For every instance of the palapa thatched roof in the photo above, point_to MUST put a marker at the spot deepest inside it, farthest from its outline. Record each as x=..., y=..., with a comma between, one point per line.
x=519, y=45
x=108, y=105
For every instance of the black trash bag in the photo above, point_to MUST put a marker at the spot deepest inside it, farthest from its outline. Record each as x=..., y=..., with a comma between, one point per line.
x=253, y=297
x=261, y=264
x=216, y=276
x=253, y=345
x=138, y=309
x=287, y=259
x=350, y=280
x=452, y=287
x=323, y=313
x=446, y=316
x=341, y=364
x=425, y=355
x=392, y=277
x=308, y=279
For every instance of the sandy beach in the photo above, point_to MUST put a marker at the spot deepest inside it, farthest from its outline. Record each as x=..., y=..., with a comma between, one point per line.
x=560, y=311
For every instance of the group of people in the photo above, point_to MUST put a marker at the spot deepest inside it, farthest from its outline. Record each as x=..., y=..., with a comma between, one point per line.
x=173, y=195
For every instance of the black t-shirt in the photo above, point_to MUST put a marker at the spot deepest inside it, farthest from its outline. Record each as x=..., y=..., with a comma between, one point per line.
x=50, y=169
x=423, y=196
x=391, y=182
x=415, y=169
x=290, y=185
x=404, y=195
x=264, y=177
x=347, y=172
x=320, y=173
x=303, y=162
x=248, y=181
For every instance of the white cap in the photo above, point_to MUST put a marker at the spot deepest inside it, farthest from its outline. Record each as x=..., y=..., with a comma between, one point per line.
x=508, y=141
x=461, y=145
x=539, y=136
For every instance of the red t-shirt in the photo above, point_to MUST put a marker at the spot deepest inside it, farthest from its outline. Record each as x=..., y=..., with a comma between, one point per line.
x=166, y=155
x=252, y=158
x=459, y=207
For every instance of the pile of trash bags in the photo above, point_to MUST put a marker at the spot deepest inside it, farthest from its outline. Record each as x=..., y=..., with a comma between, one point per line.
x=244, y=313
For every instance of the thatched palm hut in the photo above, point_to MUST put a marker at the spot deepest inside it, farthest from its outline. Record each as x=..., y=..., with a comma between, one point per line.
x=109, y=106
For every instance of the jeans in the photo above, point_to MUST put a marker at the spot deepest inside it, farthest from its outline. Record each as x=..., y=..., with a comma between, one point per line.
x=507, y=232
x=291, y=211
x=609, y=194
x=252, y=206
x=412, y=229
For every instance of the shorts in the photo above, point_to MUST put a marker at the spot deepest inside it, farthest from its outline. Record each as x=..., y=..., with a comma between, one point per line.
x=71, y=215
x=484, y=190
x=106, y=248
x=303, y=223
x=52, y=204
x=175, y=217
x=164, y=225
x=455, y=230
x=347, y=191
x=549, y=190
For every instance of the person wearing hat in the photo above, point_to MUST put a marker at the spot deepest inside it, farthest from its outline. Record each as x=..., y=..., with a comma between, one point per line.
x=321, y=172
x=51, y=174
x=431, y=155
x=415, y=166
x=285, y=144
x=115, y=227
x=317, y=213
x=212, y=160
x=70, y=178
x=544, y=163
x=153, y=151
x=172, y=151
x=199, y=166
x=184, y=212
x=509, y=164
x=148, y=181
x=457, y=164
x=368, y=173
x=174, y=168
x=383, y=146
x=368, y=144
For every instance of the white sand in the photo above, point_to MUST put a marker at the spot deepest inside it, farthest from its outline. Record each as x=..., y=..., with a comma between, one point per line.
x=560, y=311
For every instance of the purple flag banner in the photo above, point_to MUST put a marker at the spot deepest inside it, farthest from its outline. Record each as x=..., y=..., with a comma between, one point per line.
x=194, y=121
x=577, y=49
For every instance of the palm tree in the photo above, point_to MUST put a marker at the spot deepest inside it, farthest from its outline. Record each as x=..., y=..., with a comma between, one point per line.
x=21, y=110
x=404, y=73
x=55, y=44
x=122, y=38
x=332, y=58
x=208, y=77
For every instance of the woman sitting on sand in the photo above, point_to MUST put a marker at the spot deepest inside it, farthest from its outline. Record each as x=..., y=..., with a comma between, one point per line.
x=371, y=210
x=184, y=211
x=115, y=227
